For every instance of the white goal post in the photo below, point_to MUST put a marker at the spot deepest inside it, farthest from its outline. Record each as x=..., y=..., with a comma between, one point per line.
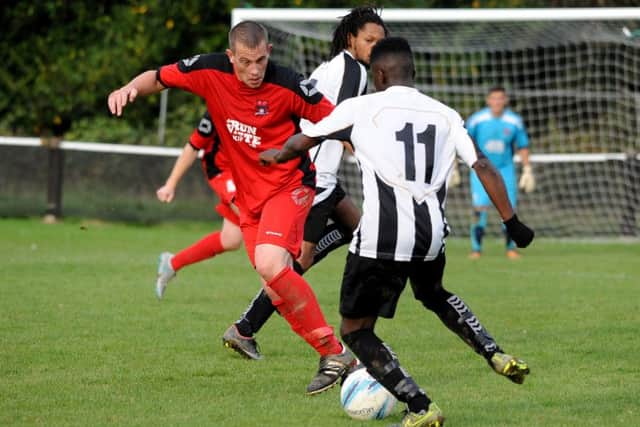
x=572, y=73
x=441, y=15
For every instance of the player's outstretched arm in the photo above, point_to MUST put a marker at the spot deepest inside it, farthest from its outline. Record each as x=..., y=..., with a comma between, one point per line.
x=167, y=192
x=294, y=147
x=493, y=183
x=144, y=84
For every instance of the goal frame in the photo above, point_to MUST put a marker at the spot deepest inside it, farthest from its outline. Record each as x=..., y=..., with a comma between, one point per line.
x=464, y=15
x=626, y=158
x=442, y=15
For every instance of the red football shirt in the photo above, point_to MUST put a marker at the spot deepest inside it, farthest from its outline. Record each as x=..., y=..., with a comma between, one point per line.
x=205, y=138
x=250, y=121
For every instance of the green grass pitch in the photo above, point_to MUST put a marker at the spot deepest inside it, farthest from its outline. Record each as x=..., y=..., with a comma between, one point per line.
x=85, y=342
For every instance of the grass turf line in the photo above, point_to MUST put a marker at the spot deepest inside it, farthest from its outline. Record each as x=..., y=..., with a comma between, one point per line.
x=84, y=341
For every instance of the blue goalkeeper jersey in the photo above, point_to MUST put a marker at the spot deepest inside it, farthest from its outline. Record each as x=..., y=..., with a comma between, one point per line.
x=497, y=136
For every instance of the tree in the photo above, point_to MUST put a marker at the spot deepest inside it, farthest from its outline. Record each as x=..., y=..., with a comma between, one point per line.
x=63, y=57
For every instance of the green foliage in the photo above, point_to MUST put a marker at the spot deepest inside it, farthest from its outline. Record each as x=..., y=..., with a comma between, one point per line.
x=183, y=114
x=63, y=57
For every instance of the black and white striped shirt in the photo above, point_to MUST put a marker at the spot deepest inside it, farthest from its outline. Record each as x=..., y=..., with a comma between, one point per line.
x=341, y=78
x=406, y=144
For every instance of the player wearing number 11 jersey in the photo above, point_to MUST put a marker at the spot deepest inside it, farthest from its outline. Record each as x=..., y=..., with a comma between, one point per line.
x=406, y=144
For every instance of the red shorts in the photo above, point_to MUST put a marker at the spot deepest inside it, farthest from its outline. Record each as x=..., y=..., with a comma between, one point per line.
x=281, y=222
x=224, y=187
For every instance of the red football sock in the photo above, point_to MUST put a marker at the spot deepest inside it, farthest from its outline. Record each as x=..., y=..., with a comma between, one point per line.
x=207, y=247
x=296, y=302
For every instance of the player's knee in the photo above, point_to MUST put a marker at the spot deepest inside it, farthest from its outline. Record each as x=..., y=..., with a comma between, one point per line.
x=268, y=267
x=232, y=241
x=231, y=236
x=433, y=298
x=234, y=245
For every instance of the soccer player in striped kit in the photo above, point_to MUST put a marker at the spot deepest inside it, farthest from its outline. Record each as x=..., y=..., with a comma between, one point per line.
x=406, y=144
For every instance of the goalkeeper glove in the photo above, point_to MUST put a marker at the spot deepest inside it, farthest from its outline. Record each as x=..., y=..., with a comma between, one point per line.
x=520, y=233
x=527, y=181
x=454, y=179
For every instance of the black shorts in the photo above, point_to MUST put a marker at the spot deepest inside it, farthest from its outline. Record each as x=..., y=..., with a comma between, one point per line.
x=319, y=214
x=372, y=287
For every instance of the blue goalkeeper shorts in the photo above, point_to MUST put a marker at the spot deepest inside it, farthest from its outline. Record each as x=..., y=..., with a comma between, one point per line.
x=480, y=198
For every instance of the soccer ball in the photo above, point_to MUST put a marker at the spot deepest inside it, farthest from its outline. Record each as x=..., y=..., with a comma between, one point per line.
x=364, y=398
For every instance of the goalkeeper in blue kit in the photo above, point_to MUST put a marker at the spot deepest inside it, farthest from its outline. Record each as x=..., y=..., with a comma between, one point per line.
x=498, y=131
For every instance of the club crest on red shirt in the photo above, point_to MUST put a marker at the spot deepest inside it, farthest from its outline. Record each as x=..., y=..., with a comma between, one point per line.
x=301, y=196
x=262, y=108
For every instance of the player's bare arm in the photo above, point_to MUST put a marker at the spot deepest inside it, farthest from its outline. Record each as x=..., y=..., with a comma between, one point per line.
x=524, y=156
x=493, y=183
x=167, y=192
x=294, y=147
x=144, y=84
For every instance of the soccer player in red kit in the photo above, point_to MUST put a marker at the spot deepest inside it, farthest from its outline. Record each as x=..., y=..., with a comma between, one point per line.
x=341, y=77
x=255, y=105
x=215, y=166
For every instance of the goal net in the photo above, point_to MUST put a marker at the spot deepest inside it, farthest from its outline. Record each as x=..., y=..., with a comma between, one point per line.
x=573, y=75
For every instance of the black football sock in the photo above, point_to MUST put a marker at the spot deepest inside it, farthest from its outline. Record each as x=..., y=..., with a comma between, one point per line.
x=333, y=236
x=383, y=365
x=455, y=314
x=256, y=315
x=298, y=268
